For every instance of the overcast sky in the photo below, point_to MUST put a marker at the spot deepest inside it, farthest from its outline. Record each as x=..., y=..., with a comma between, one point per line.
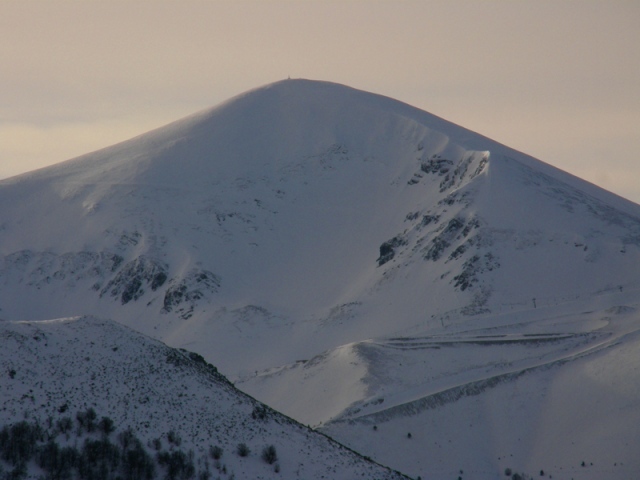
x=559, y=80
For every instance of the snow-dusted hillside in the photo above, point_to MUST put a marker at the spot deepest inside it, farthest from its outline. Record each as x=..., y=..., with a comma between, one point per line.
x=57, y=368
x=535, y=395
x=325, y=248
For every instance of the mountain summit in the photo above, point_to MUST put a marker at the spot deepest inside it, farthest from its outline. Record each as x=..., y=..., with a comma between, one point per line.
x=298, y=233
x=302, y=198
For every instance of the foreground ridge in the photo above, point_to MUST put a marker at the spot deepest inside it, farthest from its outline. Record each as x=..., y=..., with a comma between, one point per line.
x=93, y=383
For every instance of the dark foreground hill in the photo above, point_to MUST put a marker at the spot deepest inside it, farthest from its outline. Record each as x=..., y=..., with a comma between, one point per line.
x=165, y=408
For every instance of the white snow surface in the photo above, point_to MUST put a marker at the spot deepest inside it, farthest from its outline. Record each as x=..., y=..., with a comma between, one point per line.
x=73, y=364
x=345, y=257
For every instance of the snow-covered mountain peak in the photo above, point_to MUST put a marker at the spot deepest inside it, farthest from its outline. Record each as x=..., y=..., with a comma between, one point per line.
x=269, y=127
x=308, y=234
x=298, y=198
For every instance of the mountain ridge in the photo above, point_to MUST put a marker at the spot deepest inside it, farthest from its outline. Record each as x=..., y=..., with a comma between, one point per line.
x=61, y=367
x=253, y=173
x=401, y=190
x=307, y=238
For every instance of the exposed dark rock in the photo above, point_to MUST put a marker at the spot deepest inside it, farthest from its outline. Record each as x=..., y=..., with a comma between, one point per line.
x=158, y=280
x=449, y=199
x=471, y=224
x=454, y=225
x=456, y=229
x=439, y=166
x=473, y=267
x=438, y=245
x=459, y=251
x=174, y=296
x=428, y=219
x=132, y=279
x=457, y=175
x=481, y=166
x=387, y=249
x=468, y=276
x=183, y=294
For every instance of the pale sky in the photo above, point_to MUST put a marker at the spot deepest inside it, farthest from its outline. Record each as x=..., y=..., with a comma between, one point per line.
x=557, y=79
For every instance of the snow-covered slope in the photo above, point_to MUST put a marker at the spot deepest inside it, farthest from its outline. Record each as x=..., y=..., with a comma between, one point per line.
x=307, y=238
x=52, y=369
x=299, y=205
x=562, y=391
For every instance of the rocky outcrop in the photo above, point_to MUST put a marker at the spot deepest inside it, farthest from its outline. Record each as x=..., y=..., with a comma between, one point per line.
x=183, y=294
x=135, y=277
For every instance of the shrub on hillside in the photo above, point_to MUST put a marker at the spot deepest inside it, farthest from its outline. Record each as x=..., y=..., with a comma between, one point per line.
x=216, y=452
x=243, y=450
x=269, y=454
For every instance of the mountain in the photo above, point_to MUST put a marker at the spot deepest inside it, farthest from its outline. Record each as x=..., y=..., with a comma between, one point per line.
x=59, y=368
x=348, y=259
